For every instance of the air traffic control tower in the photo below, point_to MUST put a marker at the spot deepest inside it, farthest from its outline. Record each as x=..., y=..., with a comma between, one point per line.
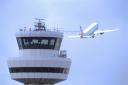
x=40, y=60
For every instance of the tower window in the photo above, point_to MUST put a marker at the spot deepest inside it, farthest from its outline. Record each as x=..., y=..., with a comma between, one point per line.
x=38, y=42
x=34, y=41
x=39, y=69
x=44, y=42
x=52, y=42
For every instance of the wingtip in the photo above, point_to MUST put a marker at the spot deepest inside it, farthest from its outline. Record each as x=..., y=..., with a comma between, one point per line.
x=117, y=29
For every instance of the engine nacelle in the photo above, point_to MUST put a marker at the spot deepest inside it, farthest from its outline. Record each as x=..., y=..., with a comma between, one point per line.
x=102, y=33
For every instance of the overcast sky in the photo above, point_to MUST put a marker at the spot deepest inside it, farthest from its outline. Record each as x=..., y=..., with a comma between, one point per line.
x=99, y=61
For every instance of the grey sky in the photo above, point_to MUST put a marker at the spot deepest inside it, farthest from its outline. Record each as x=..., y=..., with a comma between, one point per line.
x=99, y=61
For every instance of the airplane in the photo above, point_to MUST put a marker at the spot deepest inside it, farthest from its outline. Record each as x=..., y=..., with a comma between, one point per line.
x=91, y=31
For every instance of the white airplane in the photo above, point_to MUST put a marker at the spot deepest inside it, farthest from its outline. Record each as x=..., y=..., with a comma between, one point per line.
x=91, y=31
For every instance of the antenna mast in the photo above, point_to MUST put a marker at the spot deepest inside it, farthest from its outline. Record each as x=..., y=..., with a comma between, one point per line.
x=40, y=25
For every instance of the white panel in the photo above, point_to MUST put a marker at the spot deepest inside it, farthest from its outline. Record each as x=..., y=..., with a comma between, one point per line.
x=38, y=53
x=40, y=63
x=39, y=34
x=39, y=75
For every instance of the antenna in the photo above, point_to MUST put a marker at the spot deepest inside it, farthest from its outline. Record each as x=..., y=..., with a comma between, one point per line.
x=39, y=19
x=40, y=25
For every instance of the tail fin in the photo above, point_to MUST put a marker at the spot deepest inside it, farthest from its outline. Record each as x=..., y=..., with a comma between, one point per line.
x=81, y=31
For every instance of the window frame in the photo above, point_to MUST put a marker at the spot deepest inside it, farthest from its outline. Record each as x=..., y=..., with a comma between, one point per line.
x=39, y=69
x=55, y=45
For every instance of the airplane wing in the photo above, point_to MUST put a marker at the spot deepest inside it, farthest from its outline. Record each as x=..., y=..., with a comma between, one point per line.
x=103, y=31
x=74, y=36
x=71, y=32
x=78, y=36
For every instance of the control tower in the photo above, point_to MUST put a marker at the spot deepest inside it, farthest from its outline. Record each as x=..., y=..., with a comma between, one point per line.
x=40, y=60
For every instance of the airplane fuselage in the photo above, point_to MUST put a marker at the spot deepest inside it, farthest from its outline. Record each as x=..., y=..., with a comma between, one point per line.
x=90, y=30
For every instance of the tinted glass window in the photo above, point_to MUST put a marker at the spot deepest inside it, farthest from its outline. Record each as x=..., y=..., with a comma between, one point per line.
x=19, y=43
x=38, y=42
x=58, y=42
x=38, y=69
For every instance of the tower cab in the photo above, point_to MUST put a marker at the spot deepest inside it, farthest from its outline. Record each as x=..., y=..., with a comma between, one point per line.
x=40, y=38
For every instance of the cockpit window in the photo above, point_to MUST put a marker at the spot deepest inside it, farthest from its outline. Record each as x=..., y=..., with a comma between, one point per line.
x=38, y=43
